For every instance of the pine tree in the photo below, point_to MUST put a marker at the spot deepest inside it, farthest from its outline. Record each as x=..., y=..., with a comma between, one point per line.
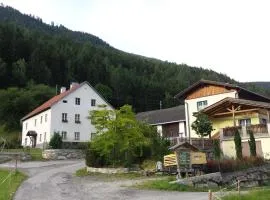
x=238, y=144
x=252, y=144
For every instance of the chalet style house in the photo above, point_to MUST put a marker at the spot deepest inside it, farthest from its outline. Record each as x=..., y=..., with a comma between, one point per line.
x=66, y=113
x=170, y=122
x=229, y=107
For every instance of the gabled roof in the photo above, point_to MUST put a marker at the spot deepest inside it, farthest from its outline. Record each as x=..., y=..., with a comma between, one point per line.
x=242, y=91
x=163, y=116
x=186, y=145
x=226, y=102
x=48, y=104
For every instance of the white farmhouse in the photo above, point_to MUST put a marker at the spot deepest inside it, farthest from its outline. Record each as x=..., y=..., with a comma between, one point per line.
x=66, y=113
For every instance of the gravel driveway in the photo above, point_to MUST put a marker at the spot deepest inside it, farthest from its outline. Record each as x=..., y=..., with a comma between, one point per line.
x=55, y=180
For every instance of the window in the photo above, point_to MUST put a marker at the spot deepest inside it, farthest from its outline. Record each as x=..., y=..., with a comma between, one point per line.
x=35, y=122
x=245, y=122
x=44, y=137
x=64, y=101
x=77, y=118
x=46, y=116
x=64, y=135
x=25, y=141
x=40, y=137
x=263, y=121
x=93, y=135
x=77, y=101
x=201, y=105
x=93, y=102
x=64, y=117
x=41, y=119
x=77, y=136
x=26, y=126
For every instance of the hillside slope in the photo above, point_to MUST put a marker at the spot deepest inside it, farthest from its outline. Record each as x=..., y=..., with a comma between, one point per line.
x=31, y=50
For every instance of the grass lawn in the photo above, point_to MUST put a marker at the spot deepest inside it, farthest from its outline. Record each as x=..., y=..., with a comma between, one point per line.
x=165, y=185
x=36, y=153
x=10, y=185
x=253, y=195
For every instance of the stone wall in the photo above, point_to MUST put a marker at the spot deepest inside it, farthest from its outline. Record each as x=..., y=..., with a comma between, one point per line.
x=63, y=154
x=107, y=170
x=251, y=177
x=22, y=156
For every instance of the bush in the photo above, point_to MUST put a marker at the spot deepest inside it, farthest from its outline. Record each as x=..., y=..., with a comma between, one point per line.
x=93, y=159
x=148, y=165
x=230, y=165
x=56, y=141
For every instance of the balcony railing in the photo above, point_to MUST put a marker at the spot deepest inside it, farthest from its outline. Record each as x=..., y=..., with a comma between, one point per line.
x=259, y=130
x=230, y=131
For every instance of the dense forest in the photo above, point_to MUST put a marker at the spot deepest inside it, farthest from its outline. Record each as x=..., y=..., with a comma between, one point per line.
x=34, y=54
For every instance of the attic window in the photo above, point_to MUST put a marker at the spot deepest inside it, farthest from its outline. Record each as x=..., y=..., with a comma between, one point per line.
x=64, y=101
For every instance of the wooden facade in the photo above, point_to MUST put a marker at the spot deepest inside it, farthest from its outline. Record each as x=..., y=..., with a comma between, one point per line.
x=170, y=130
x=207, y=90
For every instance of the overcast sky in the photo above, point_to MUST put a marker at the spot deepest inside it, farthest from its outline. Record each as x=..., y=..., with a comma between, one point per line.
x=229, y=36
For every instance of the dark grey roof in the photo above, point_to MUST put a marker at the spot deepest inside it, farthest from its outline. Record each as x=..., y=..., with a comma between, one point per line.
x=163, y=116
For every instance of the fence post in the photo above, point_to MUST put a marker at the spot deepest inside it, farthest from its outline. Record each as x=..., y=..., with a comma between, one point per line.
x=210, y=195
x=238, y=187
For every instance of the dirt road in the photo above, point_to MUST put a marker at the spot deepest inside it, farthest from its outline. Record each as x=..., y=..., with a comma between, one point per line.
x=55, y=180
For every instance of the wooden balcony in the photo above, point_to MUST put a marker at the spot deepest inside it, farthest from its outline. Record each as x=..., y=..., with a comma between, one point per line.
x=259, y=130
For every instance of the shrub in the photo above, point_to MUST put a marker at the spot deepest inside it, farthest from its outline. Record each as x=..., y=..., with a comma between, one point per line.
x=148, y=165
x=217, y=150
x=93, y=159
x=56, y=141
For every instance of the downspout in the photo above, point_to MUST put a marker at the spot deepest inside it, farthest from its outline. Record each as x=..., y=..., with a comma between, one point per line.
x=187, y=120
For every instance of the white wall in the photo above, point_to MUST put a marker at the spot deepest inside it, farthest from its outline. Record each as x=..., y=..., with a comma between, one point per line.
x=182, y=128
x=85, y=93
x=42, y=129
x=192, y=107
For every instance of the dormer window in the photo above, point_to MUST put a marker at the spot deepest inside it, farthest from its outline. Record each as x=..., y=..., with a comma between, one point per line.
x=64, y=101
x=77, y=101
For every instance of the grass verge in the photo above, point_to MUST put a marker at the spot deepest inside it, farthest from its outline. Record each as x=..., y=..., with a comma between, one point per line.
x=253, y=195
x=9, y=183
x=118, y=176
x=165, y=184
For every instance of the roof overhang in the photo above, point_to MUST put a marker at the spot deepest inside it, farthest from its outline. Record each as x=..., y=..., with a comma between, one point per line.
x=185, y=145
x=183, y=94
x=31, y=133
x=241, y=105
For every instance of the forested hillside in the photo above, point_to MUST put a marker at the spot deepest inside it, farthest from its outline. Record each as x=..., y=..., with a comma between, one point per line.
x=32, y=52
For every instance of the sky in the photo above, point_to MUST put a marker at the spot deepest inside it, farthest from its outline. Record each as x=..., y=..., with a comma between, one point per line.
x=230, y=37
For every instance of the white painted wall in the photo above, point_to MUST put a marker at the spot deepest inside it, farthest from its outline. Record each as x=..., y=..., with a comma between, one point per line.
x=191, y=107
x=85, y=128
x=54, y=117
x=182, y=128
x=159, y=130
x=42, y=128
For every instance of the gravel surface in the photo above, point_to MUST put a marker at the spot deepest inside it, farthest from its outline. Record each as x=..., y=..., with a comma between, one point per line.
x=55, y=180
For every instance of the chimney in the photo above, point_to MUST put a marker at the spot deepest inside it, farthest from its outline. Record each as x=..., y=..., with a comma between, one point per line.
x=63, y=89
x=73, y=84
